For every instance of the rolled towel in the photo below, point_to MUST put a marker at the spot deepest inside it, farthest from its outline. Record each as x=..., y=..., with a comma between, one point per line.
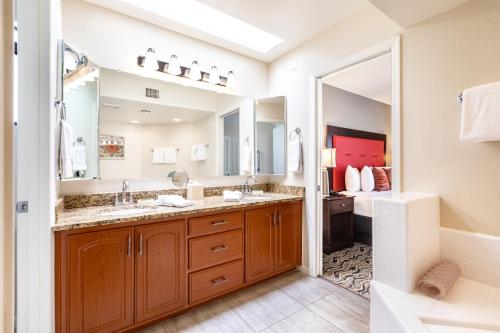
x=439, y=280
x=173, y=201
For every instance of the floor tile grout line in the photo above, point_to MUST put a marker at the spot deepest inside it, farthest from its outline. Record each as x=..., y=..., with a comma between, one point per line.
x=238, y=315
x=279, y=321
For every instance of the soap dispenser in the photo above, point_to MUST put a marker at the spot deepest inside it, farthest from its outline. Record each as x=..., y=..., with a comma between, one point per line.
x=194, y=190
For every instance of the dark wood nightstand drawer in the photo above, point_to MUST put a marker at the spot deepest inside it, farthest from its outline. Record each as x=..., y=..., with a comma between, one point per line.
x=342, y=205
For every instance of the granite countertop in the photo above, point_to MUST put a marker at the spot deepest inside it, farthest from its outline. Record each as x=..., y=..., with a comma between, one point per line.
x=103, y=215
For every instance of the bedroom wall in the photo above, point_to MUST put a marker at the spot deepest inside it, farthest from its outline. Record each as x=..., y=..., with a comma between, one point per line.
x=441, y=57
x=345, y=109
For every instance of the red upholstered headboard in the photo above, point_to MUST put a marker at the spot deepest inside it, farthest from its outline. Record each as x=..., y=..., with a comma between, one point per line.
x=356, y=148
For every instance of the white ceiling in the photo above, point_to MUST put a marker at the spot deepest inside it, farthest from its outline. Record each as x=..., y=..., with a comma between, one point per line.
x=129, y=111
x=295, y=21
x=371, y=79
x=408, y=12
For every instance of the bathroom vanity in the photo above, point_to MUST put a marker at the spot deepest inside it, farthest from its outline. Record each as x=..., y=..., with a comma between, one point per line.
x=117, y=272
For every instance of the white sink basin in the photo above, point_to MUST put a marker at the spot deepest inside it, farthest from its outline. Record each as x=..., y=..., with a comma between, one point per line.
x=131, y=211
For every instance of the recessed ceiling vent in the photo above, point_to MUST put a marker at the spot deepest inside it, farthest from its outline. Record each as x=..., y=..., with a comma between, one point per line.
x=152, y=93
x=145, y=111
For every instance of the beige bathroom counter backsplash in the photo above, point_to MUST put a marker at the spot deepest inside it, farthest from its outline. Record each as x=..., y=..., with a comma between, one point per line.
x=93, y=216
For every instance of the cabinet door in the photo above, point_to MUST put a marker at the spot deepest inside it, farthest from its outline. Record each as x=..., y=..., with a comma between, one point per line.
x=259, y=243
x=100, y=277
x=160, y=269
x=288, y=237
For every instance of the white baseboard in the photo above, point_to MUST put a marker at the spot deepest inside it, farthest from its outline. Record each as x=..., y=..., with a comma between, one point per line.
x=477, y=254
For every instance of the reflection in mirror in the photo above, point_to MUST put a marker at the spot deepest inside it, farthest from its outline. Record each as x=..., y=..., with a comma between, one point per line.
x=80, y=97
x=149, y=128
x=270, y=135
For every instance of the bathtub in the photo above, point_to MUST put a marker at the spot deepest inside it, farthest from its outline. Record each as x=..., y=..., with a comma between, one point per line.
x=470, y=307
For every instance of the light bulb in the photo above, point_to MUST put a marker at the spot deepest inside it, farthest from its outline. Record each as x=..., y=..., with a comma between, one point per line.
x=174, y=67
x=194, y=72
x=214, y=76
x=230, y=80
x=150, y=61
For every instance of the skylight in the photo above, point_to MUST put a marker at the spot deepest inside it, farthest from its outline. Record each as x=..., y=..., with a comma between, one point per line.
x=211, y=21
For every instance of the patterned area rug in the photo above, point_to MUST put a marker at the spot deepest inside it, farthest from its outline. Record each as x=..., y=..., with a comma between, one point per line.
x=350, y=268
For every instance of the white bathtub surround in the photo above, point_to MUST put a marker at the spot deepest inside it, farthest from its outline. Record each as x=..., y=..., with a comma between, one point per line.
x=405, y=238
x=470, y=307
x=477, y=254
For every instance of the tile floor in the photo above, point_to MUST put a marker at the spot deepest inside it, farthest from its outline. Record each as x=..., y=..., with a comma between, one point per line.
x=293, y=302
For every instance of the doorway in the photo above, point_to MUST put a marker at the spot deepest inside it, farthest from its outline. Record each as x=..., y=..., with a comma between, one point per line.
x=232, y=143
x=358, y=121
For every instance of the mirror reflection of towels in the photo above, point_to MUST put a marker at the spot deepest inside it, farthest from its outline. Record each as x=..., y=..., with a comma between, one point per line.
x=165, y=155
x=199, y=152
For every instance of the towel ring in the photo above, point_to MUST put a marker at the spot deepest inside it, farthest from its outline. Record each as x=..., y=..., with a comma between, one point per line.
x=296, y=132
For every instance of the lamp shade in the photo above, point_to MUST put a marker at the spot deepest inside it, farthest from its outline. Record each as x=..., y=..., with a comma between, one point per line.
x=328, y=158
x=150, y=61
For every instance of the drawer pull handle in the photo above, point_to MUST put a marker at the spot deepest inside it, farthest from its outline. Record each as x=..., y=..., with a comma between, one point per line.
x=219, y=281
x=214, y=224
x=220, y=248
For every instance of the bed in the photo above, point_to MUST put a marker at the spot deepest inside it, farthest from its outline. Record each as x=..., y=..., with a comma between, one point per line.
x=357, y=148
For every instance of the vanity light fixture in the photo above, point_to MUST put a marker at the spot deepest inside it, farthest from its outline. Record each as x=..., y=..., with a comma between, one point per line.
x=194, y=71
x=177, y=120
x=150, y=61
x=214, y=77
x=174, y=66
x=135, y=121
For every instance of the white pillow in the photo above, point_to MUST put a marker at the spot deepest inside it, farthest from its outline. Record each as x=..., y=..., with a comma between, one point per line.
x=352, y=179
x=367, y=179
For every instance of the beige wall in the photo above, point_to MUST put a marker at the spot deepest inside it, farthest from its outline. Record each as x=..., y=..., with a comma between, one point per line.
x=441, y=57
x=345, y=109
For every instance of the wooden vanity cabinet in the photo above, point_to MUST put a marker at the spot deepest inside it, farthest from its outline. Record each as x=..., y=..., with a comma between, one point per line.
x=160, y=270
x=273, y=240
x=119, y=278
x=98, y=282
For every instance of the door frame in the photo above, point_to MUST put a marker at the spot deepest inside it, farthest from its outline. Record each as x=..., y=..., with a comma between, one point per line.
x=393, y=46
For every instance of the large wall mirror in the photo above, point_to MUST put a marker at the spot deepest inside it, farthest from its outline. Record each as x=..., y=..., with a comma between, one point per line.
x=136, y=127
x=270, y=136
x=149, y=128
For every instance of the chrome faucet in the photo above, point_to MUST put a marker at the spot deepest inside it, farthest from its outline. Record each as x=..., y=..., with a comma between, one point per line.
x=125, y=197
x=246, y=189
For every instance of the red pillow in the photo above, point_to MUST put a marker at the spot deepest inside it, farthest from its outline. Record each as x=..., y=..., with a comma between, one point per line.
x=388, y=172
x=381, y=181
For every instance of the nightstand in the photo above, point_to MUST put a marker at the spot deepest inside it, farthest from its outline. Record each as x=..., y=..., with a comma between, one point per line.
x=338, y=223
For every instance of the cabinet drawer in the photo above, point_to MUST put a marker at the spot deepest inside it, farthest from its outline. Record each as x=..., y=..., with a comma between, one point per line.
x=341, y=206
x=206, y=225
x=215, y=249
x=214, y=281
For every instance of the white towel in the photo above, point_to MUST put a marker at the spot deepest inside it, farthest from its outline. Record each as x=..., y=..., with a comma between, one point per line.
x=481, y=113
x=295, y=155
x=173, y=201
x=170, y=155
x=158, y=155
x=165, y=155
x=79, y=158
x=65, y=149
x=231, y=196
x=246, y=160
x=199, y=152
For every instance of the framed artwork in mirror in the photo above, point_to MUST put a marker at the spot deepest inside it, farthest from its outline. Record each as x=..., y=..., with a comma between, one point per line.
x=111, y=147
